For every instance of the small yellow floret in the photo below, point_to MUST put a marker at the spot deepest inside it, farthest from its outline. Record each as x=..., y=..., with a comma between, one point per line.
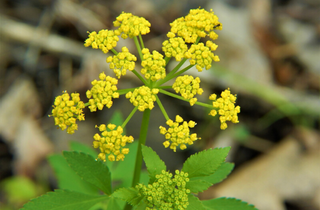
x=153, y=65
x=143, y=97
x=105, y=40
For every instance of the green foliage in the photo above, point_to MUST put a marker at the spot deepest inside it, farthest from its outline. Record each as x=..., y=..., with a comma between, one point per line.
x=205, y=162
x=79, y=147
x=227, y=204
x=194, y=203
x=64, y=200
x=89, y=169
x=130, y=195
x=153, y=162
x=67, y=178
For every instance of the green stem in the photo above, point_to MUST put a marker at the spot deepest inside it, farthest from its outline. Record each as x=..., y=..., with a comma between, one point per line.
x=141, y=41
x=167, y=59
x=136, y=42
x=129, y=117
x=114, y=51
x=183, y=99
x=140, y=77
x=171, y=74
x=183, y=70
x=162, y=108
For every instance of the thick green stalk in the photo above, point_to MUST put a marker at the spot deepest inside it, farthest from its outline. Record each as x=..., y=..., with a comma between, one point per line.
x=142, y=141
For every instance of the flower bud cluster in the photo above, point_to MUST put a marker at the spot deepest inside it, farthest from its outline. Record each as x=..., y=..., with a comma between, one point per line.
x=166, y=192
x=178, y=134
x=66, y=111
x=122, y=62
x=131, y=25
x=153, y=65
x=143, y=97
x=198, y=23
x=226, y=108
x=188, y=87
x=175, y=47
x=102, y=92
x=201, y=55
x=111, y=142
x=105, y=40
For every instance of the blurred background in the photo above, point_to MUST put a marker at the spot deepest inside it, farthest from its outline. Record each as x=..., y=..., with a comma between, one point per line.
x=270, y=58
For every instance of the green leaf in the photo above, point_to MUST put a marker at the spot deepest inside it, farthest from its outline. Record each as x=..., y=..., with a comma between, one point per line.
x=131, y=195
x=198, y=185
x=91, y=170
x=194, y=203
x=220, y=174
x=79, y=147
x=67, y=178
x=205, y=162
x=227, y=204
x=153, y=162
x=63, y=200
x=112, y=204
x=117, y=119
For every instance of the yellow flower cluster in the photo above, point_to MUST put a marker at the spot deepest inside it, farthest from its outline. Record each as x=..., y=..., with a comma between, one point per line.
x=111, y=142
x=131, y=25
x=153, y=65
x=166, y=192
x=143, y=97
x=198, y=23
x=102, y=92
x=105, y=40
x=188, y=87
x=226, y=108
x=178, y=134
x=66, y=111
x=175, y=47
x=201, y=55
x=122, y=62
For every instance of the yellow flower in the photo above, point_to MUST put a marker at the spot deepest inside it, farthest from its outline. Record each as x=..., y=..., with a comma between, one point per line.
x=188, y=87
x=102, y=92
x=167, y=191
x=111, y=142
x=226, y=108
x=153, y=65
x=122, y=62
x=175, y=47
x=178, y=133
x=143, y=97
x=201, y=55
x=198, y=23
x=105, y=40
x=131, y=25
x=66, y=111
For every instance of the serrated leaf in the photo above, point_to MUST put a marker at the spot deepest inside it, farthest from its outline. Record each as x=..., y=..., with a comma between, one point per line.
x=112, y=204
x=227, y=204
x=220, y=174
x=79, y=147
x=153, y=162
x=194, y=203
x=67, y=178
x=131, y=195
x=198, y=185
x=63, y=200
x=91, y=170
x=205, y=162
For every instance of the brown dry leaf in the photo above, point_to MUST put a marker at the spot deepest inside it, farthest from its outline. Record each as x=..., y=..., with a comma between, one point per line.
x=288, y=173
x=18, y=111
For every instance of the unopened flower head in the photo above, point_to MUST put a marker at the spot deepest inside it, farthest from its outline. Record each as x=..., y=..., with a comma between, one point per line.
x=175, y=47
x=198, y=23
x=66, y=111
x=143, y=97
x=166, y=192
x=178, y=133
x=122, y=62
x=188, y=87
x=153, y=65
x=111, y=142
x=201, y=55
x=226, y=108
x=105, y=40
x=131, y=25
x=102, y=92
